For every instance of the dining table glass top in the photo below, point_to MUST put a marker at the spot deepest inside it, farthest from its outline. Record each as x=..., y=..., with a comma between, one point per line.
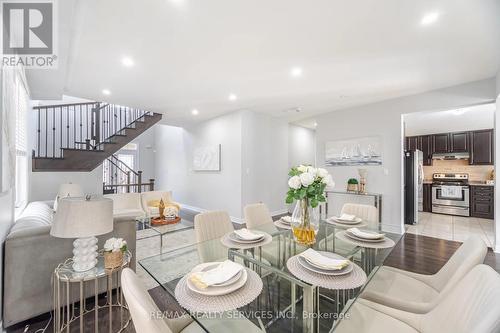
x=286, y=302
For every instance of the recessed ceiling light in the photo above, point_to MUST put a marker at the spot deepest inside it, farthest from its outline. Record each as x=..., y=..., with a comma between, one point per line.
x=232, y=97
x=429, y=18
x=127, y=62
x=315, y=124
x=194, y=112
x=106, y=92
x=296, y=71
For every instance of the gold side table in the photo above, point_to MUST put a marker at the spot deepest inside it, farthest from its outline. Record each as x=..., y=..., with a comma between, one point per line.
x=71, y=290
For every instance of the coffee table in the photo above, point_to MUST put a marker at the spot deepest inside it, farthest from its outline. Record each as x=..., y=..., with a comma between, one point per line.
x=144, y=223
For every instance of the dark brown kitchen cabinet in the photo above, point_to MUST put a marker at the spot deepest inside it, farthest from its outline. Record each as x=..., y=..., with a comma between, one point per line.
x=459, y=142
x=481, y=147
x=441, y=143
x=425, y=145
x=427, y=198
x=482, y=201
x=411, y=142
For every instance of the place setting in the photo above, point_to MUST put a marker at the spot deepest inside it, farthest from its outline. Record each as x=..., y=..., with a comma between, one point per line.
x=346, y=221
x=365, y=238
x=218, y=287
x=285, y=222
x=326, y=269
x=245, y=239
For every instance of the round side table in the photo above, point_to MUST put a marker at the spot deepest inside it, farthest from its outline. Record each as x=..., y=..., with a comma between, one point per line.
x=71, y=290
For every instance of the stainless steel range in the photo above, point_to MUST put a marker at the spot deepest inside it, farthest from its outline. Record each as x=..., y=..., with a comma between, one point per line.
x=450, y=193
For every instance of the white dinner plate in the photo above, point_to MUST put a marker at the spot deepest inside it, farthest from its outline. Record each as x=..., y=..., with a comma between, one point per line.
x=357, y=220
x=310, y=266
x=348, y=234
x=235, y=238
x=220, y=289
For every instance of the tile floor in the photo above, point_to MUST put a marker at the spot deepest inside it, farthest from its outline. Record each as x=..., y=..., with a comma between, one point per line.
x=456, y=228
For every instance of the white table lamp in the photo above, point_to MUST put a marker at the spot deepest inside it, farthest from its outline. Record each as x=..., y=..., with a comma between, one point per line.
x=83, y=218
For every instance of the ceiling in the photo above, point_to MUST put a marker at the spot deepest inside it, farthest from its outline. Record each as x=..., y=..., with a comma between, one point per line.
x=192, y=54
x=464, y=119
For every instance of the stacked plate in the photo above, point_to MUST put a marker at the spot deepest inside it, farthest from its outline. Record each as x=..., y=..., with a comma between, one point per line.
x=365, y=235
x=217, y=278
x=286, y=220
x=349, y=220
x=322, y=266
x=245, y=236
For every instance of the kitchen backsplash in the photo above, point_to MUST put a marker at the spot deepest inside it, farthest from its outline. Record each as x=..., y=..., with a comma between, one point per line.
x=476, y=172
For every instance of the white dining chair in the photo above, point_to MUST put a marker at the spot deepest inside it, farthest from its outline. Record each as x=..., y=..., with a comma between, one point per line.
x=256, y=215
x=418, y=292
x=369, y=215
x=142, y=309
x=470, y=306
x=209, y=226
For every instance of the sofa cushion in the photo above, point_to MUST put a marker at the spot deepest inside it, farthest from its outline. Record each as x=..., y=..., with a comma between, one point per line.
x=36, y=214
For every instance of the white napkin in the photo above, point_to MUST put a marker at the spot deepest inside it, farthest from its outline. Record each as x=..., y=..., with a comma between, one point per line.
x=246, y=234
x=366, y=235
x=321, y=261
x=287, y=219
x=223, y=272
x=347, y=217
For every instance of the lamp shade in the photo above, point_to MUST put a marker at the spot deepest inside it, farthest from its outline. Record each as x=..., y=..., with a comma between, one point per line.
x=70, y=190
x=80, y=218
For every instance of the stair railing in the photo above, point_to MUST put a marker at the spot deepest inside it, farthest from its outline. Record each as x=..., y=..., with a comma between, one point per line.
x=120, y=178
x=81, y=126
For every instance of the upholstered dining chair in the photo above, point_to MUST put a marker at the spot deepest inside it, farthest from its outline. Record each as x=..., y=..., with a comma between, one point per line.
x=142, y=306
x=470, y=306
x=209, y=226
x=419, y=293
x=369, y=215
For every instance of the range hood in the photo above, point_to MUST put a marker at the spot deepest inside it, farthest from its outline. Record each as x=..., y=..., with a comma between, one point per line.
x=450, y=156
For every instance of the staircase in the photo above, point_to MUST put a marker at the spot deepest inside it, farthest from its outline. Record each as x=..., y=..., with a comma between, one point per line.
x=81, y=136
x=118, y=177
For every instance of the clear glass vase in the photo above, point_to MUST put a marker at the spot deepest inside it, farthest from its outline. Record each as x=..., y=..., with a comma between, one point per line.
x=305, y=222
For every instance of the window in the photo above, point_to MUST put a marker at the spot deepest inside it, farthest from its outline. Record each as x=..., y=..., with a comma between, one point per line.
x=21, y=105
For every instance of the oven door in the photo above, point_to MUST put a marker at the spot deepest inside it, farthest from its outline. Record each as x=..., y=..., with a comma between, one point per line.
x=440, y=197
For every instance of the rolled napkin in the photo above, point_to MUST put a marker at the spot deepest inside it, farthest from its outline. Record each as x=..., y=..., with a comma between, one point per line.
x=365, y=234
x=246, y=234
x=321, y=261
x=220, y=274
x=287, y=219
x=347, y=217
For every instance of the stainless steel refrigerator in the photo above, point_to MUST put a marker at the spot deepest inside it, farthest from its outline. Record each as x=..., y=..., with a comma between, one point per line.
x=413, y=186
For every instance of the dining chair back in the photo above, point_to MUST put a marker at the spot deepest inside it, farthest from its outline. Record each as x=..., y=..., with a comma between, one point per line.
x=471, y=306
x=209, y=226
x=368, y=213
x=256, y=215
x=141, y=305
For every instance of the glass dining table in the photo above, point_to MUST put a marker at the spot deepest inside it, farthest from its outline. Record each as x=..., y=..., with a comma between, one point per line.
x=286, y=302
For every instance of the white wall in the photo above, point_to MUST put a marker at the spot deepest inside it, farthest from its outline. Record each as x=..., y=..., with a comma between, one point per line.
x=204, y=190
x=45, y=185
x=264, y=161
x=384, y=120
x=301, y=146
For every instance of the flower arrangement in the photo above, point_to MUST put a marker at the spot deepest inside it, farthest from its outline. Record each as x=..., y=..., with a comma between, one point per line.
x=307, y=182
x=307, y=186
x=113, y=252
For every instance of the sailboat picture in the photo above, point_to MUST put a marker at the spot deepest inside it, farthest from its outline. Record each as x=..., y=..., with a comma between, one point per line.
x=360, y=151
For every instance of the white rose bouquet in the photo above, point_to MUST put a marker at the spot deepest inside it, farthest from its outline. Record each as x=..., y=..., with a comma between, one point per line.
x=115, y=245
x=307, y=182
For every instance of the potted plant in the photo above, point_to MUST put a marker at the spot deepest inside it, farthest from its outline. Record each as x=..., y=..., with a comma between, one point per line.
x=352, y=185
x=113, y=252
x=307, y=186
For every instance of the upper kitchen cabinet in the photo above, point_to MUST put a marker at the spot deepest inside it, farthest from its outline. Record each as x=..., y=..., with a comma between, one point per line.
x=441, y=143
x=425, y=145
x=459, y=142
x=481, y=147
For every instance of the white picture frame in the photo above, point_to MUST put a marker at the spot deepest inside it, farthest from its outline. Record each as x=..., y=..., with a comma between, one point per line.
x=363, y=151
